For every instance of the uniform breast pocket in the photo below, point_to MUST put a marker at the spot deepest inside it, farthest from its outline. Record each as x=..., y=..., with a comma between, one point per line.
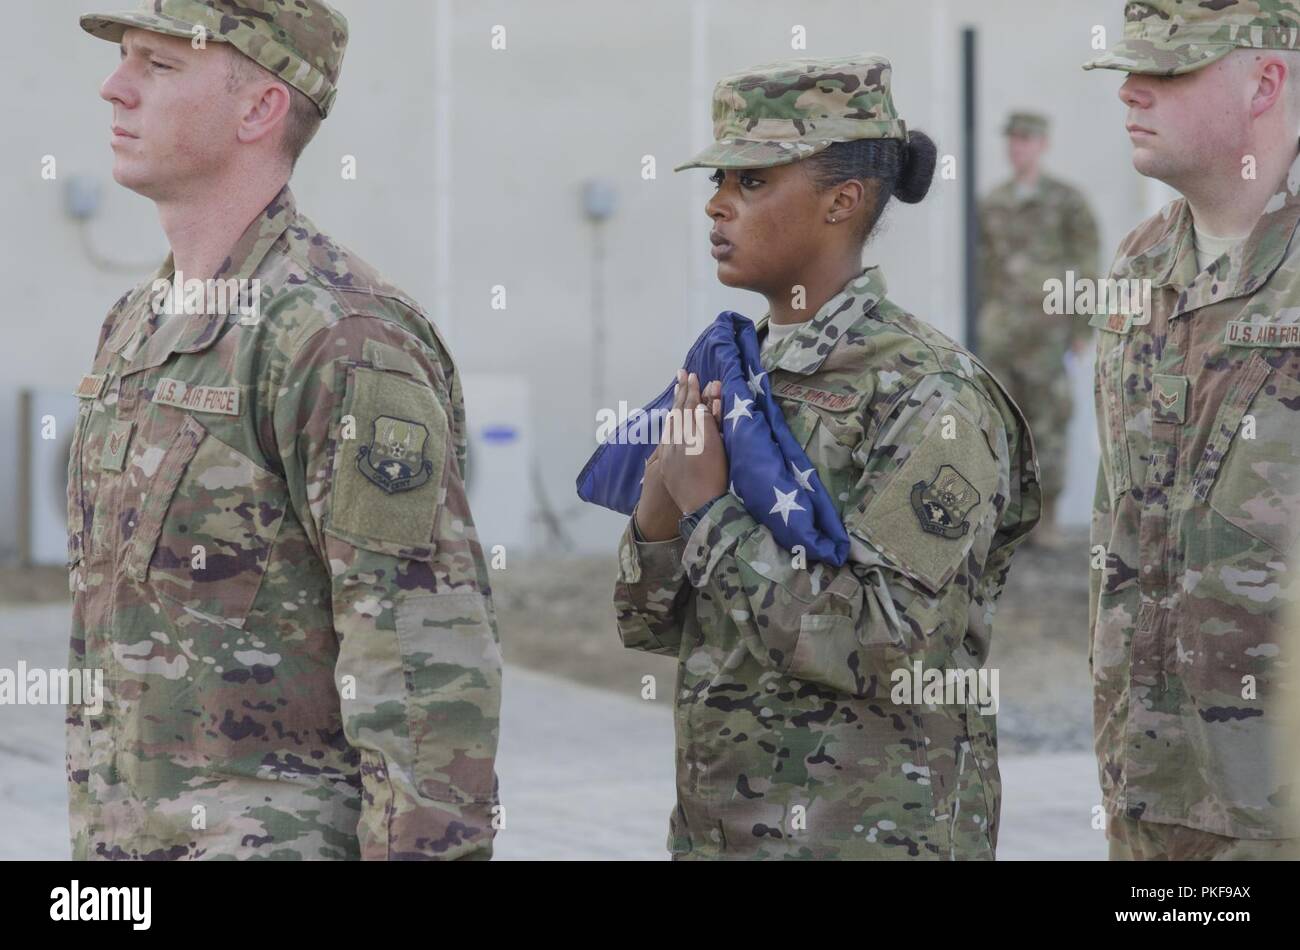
x=205, y=526
x=1250, y=472
x=76, y=491
x=1114, y=424
x=827, y=437
x=802, y=422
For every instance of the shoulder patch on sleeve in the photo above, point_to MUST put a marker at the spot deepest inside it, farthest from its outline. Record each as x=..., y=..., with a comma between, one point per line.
x=389, y=464
x=926, y=517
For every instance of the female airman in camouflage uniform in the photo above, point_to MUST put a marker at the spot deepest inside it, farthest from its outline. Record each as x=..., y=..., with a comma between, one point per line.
x=794, y=736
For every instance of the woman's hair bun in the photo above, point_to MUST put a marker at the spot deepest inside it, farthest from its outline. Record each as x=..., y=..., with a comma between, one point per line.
x=918, y=168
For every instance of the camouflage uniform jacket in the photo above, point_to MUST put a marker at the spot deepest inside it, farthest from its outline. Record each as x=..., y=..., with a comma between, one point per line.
x=274, y=564
x=789, y=741
x=1025, y=242
x=1197, y=506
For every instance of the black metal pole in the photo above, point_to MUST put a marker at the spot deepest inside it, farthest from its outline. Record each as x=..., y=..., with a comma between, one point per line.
x=970, y=204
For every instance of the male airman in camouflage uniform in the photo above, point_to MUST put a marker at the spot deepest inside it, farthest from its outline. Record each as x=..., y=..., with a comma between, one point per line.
x=789, y=741
x=1198, y=494
x=1034, y=228
x=271, y=552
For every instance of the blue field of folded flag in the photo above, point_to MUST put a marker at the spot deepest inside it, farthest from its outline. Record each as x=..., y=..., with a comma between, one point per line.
x=770, y=473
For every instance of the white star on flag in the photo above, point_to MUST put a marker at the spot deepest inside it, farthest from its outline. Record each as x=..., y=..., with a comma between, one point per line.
x=755, y=382
x=802, y=477
x=739, y=410
x=785, y=504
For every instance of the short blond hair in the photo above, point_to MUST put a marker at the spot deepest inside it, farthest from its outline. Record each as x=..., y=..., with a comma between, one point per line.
x=303, y=118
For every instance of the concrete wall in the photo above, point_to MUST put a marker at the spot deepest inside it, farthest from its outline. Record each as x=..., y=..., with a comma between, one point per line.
x=471, y=166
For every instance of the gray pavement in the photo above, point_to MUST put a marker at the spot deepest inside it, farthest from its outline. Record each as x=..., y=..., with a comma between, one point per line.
x=585, y=773
x=33, y=795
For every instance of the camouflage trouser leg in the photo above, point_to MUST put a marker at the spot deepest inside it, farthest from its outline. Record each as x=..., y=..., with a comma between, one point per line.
x=1042, y=392
x=1132, y=840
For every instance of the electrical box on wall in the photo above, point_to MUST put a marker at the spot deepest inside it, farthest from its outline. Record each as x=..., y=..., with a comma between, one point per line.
x=48, y=421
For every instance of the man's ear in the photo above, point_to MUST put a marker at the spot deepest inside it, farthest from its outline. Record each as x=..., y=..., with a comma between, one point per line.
x=1273, y=72
x=265, y=113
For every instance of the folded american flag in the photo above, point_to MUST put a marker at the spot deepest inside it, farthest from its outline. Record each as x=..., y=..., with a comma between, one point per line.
x=769, y=471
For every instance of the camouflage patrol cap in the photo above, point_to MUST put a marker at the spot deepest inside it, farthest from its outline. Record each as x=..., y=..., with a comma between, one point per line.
x=1026, y=123
x=778, y=113
x=1171, y=37
x=300, y=41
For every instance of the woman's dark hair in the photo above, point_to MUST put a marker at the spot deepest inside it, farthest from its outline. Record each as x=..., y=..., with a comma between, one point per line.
x=900, y=170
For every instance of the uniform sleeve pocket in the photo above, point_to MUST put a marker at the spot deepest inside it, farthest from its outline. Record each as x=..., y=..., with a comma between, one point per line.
x=821, y=651
x=451, y=662
x=847, y=637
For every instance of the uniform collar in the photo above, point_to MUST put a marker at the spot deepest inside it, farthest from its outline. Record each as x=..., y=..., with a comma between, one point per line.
x=254, y=244
x=805, y=350
x=1007, y=195
x=1170, y=259
x=140, y=339
x=1034, y=193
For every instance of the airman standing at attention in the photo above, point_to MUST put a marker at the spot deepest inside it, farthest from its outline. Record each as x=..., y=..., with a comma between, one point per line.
x=271, y=553
x=1198, y=404
x=794, y=737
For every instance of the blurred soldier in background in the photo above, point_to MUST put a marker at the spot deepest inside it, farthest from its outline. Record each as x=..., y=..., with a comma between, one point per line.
x=271, y=552
x=1198, y=402
x=1034, y=229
